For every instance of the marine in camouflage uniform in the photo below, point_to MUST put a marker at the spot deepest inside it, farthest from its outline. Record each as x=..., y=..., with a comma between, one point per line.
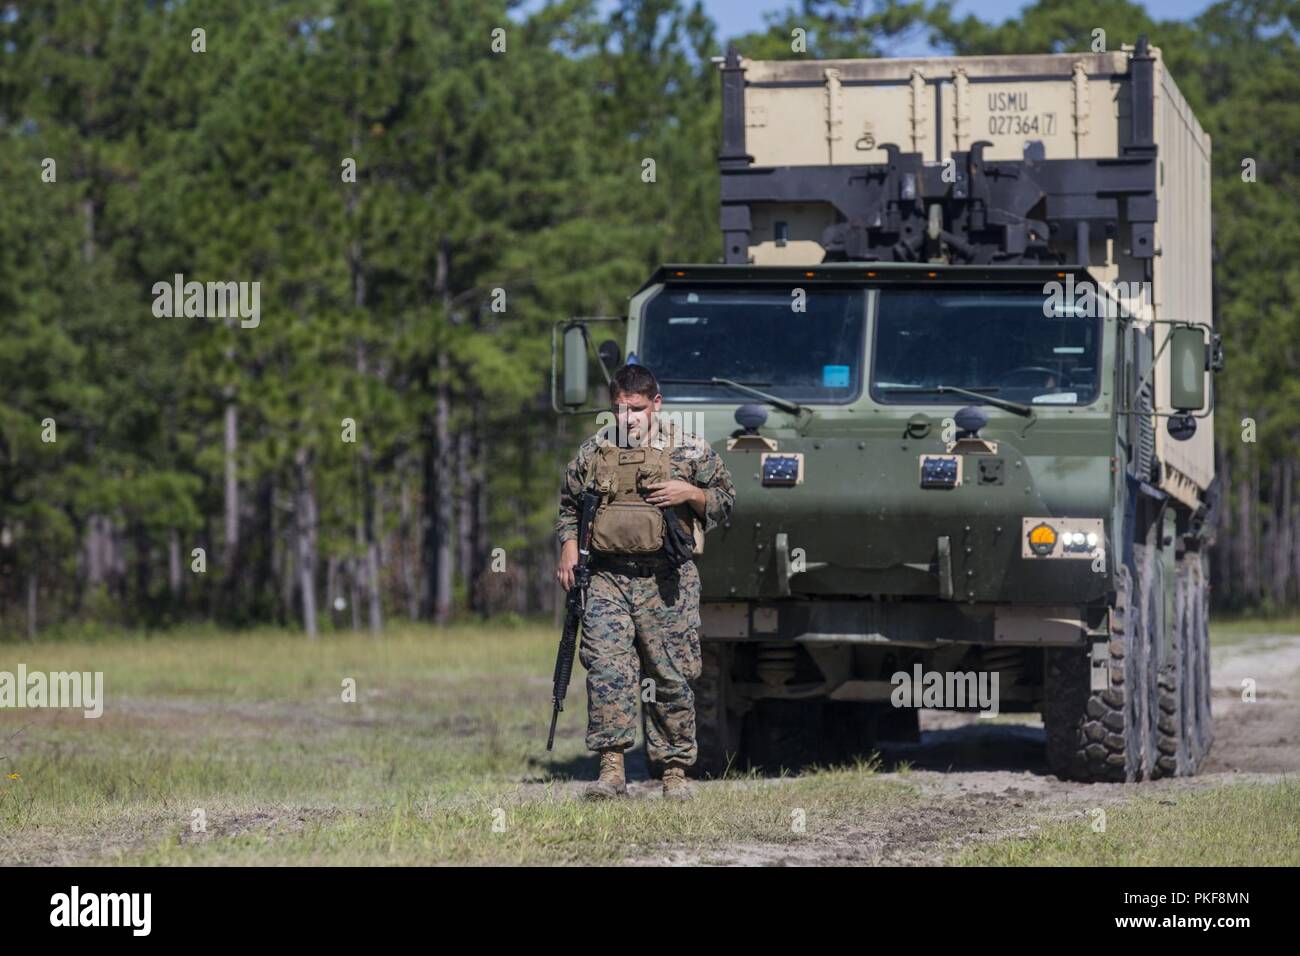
x=645, y=624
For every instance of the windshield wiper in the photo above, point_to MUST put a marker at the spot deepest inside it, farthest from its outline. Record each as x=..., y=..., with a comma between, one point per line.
x=785, y=404
x=1016, y=407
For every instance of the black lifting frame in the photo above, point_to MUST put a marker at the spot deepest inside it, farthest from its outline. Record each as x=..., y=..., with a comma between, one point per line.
x=1004, y=211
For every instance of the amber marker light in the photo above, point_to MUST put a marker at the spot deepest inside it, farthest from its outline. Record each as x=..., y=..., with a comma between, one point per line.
x=1042, y=539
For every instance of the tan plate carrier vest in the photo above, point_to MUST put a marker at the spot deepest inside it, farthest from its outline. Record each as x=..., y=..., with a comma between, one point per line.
x=625, y=522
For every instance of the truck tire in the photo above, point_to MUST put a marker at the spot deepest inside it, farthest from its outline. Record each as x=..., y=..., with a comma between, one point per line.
x=850, y=729
x=1106, y=735
x=1152, y=586
x=717, y=725
x=1185, y=728
x=1201, y=656
x=784, y=734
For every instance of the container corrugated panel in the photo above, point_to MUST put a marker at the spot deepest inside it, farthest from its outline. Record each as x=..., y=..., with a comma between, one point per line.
x=818, y=112
x=1182, y=284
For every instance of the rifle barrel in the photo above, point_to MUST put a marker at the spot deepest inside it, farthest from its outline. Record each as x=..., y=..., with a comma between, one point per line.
x=555, y=715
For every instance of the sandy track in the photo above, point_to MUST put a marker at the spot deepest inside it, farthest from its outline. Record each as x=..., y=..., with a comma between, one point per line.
x=986, y=781
x=978, y=780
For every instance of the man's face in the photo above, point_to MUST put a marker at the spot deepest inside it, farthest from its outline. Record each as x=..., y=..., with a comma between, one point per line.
x=634, y=413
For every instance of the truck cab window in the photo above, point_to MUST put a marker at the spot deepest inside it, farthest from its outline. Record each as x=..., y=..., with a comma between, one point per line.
x=997, y=341
x=808, y=349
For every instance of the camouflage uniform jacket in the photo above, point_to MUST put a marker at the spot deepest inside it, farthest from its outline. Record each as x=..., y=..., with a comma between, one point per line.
x=691, y=459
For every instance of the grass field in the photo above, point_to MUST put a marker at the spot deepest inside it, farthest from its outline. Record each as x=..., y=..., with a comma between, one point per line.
x=222, y=748
x=441, y=758
x=1241, y=825
x=1232, y=630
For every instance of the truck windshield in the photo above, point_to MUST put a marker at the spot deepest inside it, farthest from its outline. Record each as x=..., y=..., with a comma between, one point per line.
x=806, y=349
x=998, y=342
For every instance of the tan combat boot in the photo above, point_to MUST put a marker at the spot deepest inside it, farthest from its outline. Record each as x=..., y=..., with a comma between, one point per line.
x=676, y=786
x=611, y=782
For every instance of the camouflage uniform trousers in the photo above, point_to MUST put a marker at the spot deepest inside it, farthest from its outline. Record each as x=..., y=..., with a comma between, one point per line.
x=643, y=626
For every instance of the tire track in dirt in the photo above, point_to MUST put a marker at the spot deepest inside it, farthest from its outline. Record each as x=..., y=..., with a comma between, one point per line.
x=982, y=781
x=977, y=781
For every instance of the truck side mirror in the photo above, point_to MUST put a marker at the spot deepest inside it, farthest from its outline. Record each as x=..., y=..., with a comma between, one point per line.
x=610, y=354
x=1180, y=427
x=575, y=365
x=1188, y=360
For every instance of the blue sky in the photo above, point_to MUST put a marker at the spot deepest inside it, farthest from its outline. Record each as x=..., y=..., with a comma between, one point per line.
x=735, y=17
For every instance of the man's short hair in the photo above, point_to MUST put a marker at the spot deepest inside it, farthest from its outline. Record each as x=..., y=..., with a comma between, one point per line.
x=633, y=380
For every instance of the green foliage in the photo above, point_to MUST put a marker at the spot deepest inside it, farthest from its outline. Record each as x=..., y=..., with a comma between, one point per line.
x=483, y=179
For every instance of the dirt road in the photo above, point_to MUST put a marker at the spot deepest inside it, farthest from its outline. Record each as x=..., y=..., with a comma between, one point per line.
x=988, y=781
x=286, y=777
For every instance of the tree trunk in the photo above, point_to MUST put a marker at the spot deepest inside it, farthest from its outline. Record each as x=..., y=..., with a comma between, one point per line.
x=230, y=449
x=1276, y=542
x=374, y=592
x=267, y=523
x=174, y=579
x=1241, y=539
x=99, y=552
x=31, y=604
x=355, y=591
x=1253, y=578
x=405, y=547
x=383, y=542
x=95, y=566
x=370, y=546
x=305, y=533
x=117, y=562
x=442, y=502
x=465, y=517
x=1285, y=533
x=428, y=518
x=437, y=477
x=143, y=548
x=481, y=544
x=1221, y=554
x=331, y=585
x=88, y=221
x=288, y=562
x=1295, y=533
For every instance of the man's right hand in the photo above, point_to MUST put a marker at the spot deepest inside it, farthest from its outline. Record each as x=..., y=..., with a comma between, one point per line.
x=568, y=562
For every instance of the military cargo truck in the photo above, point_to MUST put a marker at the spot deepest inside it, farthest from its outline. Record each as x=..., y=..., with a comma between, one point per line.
x=958, y=356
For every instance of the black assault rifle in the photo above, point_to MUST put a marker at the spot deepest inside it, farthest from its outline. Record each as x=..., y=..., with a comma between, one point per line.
x=574, y=606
